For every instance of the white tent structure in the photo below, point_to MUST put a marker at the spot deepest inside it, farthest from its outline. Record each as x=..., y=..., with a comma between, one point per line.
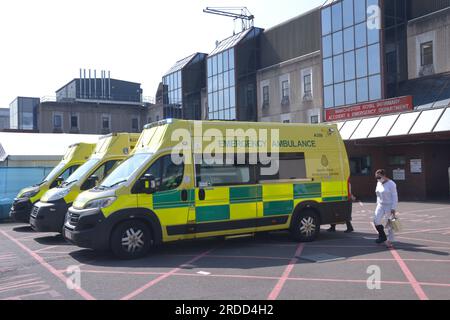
x=37, y=149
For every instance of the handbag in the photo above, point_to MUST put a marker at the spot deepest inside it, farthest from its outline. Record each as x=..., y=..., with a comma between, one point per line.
x=395, y=224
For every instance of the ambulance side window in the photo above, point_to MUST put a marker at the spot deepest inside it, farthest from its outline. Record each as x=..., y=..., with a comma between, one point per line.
x=168, y=175
x=224, y=174
x=172, y=174
x=64, y=175
x=290, y=166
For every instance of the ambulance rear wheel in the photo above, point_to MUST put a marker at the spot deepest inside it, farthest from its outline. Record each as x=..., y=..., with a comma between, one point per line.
x=131, y=240
x=305, y=226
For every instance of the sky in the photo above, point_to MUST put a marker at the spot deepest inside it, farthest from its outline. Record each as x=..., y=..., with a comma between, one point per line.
x=44, y=43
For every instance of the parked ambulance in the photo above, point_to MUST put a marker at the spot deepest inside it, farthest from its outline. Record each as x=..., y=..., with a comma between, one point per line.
x=76, y=155
x=48, y=214
x=164, y=192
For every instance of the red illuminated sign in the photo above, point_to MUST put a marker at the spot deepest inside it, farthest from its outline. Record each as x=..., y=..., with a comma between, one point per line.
x=370, y=109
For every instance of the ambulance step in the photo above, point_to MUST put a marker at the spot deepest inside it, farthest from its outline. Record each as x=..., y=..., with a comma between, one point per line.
x=238, y=236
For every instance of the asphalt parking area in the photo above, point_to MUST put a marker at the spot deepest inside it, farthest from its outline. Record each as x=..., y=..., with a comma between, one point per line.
x=268, y=266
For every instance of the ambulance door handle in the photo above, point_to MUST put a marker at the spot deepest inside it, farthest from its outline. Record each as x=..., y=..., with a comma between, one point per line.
x=184, y=195
x=201, y=194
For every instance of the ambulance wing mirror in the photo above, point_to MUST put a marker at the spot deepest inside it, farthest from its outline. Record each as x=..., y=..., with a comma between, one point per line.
x=92, y=181
x=58, y=181
x=148, y=183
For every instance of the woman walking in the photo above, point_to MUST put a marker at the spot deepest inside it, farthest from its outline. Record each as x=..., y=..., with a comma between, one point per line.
x=387, y=201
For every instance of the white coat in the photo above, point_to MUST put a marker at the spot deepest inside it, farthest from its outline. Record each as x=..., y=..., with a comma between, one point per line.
x=387, y=200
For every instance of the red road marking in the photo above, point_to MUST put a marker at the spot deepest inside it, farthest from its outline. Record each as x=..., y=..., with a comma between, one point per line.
x=47, y=266
x=412, y=280
x=381, y=259
x=277, y=289
x=162, y=277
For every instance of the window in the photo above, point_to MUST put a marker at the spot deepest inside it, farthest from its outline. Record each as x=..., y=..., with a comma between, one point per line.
x=285, y=89
x=57, y=121
x=327, y=46
x=135, y=124
x=336, y=10
x=314, y=119
x=211, y=173
x=168, y=175
x=397, y=161
x=361, y=166
x=290, y=166
x=326, y=20
x=375, y=87
x=106, y=119
x=307, y=87
x=349, y=65
x=362, y=90
x=338, y=68
x=426, y=53
x=374, y=59
x=221, y=85
x=328, y=71
x=351, y=54
x=223, y=174
x=64, y=175
x=104, y=170
x=337, y=43
x=265, y=96
x=100, y=173
x=68, y=171
x=74, y=121
x=339, y=97
x=350, y=92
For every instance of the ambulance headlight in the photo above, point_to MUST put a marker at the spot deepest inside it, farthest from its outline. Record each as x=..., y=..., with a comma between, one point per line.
x=100, y=203
x=30, y=193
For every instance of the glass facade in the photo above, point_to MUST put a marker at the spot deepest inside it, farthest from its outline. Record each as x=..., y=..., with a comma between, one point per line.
x=350, y=54
x=23, y=113
x=182, y=86
x=173, y=88
x=222, y=85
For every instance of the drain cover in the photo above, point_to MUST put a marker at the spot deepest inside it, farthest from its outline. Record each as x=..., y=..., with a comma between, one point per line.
x=321, y=257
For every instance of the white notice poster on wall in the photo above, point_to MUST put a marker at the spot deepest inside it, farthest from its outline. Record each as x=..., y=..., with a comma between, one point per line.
x=399, y=175
x=416, y=165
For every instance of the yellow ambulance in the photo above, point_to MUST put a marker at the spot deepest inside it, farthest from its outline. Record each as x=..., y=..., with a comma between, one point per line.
x=48, y=214
x=76, y=155
x=196, y=179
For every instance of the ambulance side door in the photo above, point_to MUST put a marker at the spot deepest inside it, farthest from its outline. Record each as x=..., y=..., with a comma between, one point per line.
x=170, y=200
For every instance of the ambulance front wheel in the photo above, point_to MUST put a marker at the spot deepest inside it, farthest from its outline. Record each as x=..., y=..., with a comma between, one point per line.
x=305, y=226
x=131, y=240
